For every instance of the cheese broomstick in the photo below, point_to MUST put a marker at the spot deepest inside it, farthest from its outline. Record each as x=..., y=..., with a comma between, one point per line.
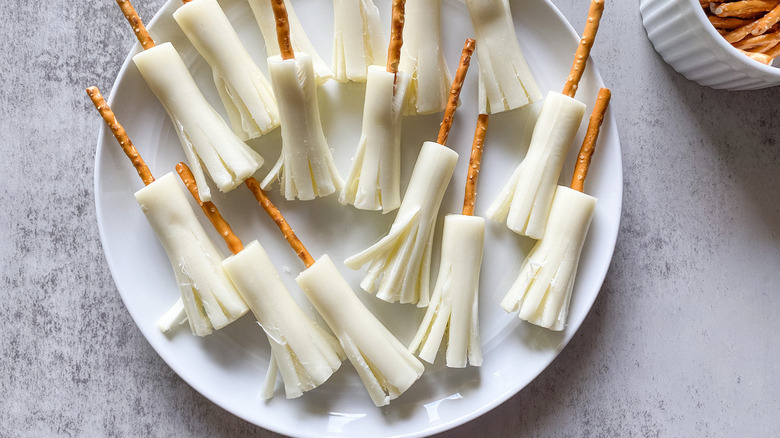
x=266, y=20
x=507, y=78
x=385, y=366
x=454, y=304
x=422, y=57
x=525, y=201
x=304, y=354
x=208, y=297
x=374, y=180
x=243, y=88
x=305, y=166
x=542, y=291
x=357, y=39
x=203, y=134
x=401, y=261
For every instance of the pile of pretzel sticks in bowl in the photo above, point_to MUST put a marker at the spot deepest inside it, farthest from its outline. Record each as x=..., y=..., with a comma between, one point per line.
x=751, y=26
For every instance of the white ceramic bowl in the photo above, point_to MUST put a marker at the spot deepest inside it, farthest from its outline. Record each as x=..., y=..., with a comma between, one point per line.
x=684, y=37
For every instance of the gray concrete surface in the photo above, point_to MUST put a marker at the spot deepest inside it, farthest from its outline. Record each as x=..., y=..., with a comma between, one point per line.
x=681, y=342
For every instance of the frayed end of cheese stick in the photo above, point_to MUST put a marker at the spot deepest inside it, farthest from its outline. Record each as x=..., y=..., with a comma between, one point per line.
x=357, y=39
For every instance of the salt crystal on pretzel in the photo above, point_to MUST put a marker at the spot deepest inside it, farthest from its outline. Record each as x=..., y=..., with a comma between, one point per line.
x=357, y=39
x=243, y=88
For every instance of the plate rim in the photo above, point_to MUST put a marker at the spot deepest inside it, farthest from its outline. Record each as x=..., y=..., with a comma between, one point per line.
x=610, y=238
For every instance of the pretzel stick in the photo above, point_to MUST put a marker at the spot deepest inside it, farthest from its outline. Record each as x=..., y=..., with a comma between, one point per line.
x=475, y=162
x=727, y=23
x=755, y=41
x=583, y=50
x=767, y=21
x=740, y=32
x=282, y=29
x=135, y=22
x=120, y=134
x=760, y=57
x=276, y=215
x=185, y=1
x=396, y=36
x=744, y=8
x=210, y=210
x=457, y=85
x=589, y=143
x=773, y=52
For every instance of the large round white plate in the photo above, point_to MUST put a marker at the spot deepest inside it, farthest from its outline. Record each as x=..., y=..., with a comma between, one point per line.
x=228, y=367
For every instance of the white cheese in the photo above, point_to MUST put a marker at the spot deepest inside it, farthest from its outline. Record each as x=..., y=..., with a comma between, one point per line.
x=306, y=355
x=357, y=39
x=454, y=304
x=385, y=366
x=374, y=180
x=525, y=199
x=508, y=81
x=264, y=14
x=422, y=57
x=542, y=291
x=208, y=296
x=401, y=261
x=204, y=136
x=305, y=166
x=243, y=88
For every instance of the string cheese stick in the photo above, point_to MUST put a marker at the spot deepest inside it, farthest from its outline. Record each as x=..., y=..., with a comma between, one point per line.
x=357, y=39
x=208, y=298
x=400, y=261
x=304, y=354
x=384, y=365
x=374, y=179
x=542, y=292
x=454, y=306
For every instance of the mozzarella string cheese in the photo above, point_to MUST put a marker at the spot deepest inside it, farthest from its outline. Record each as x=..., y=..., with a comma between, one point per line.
x=400, y=261
x=542, y=292
x=357, y=39
x=508, y=80
x=243, y=88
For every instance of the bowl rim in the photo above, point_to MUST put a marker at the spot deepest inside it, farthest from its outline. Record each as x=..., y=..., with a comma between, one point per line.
x=731, y=51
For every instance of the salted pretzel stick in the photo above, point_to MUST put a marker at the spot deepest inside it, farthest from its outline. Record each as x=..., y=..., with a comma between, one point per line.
x=744, y=8
x=740, y=32
x=276, y=215
x=282, y=29
x=589, y=143
x=764, y=23
x=457, y=85
x=773, y=52
x=120, y=134
x=396, y=36
x=135, y=22
x=583, y=50
x=760, y=57
x=727, y=23
x=474, y=164
x=210, y=210
x=756, y=41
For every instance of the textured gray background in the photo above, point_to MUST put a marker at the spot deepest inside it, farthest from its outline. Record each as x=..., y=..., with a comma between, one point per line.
x=681, y=342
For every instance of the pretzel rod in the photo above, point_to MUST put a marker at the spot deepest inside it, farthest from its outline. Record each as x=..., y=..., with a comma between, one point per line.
x=210, y=210
x=727, y=23
x=396, y=36
x=744, y=8
x=475, y=162
x=755, y=41
x=589, y=143
x=773, y=52
x=457, y=85
x=120, y=134
x=135, y=22
x=583, y=50
x=282, y=29
x=276, y=215
x=767, y=21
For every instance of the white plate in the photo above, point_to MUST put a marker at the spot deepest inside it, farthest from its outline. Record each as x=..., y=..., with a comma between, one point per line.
x=228, y=367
